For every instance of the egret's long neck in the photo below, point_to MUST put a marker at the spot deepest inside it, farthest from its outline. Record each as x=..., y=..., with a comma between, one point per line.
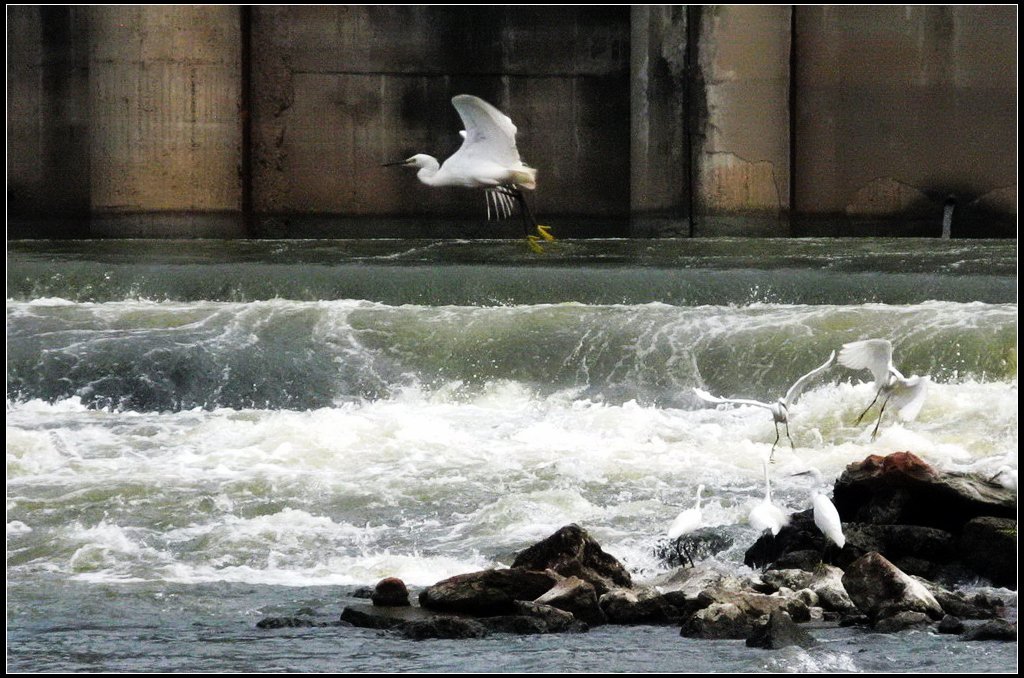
x=767, y=484
x=428, y=172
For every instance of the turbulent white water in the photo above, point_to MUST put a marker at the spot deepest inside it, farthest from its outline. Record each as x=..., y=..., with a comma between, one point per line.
x=331, y=442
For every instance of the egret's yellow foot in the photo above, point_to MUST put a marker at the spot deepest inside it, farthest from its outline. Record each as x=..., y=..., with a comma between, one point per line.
x=543, y=230
x=534, y=244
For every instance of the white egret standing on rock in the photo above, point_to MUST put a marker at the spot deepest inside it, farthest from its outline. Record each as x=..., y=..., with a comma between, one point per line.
x=766, y=515
x=780, y=408
x=826, y=516
x=906, y=394
x=687, y=521
x=487, y=159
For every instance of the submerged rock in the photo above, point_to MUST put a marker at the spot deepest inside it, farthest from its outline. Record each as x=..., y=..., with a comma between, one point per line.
x=374, y=617
x=291, y=623
x=443, y=627
x=779, y=631
x=950, y=625
x=879, y=589
x=718, y=621
x=996, y=629
x=901, y=621
x=488, y=593
x=572, y=552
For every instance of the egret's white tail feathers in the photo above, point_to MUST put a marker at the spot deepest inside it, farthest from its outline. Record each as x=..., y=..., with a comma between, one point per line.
x=525, y=177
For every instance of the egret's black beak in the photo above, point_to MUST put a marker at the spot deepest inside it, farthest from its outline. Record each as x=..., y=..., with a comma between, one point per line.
x=398, y=162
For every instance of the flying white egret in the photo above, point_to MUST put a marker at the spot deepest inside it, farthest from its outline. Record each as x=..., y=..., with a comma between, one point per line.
x=766, y=515
x=488, y=159
x=780, y=408
x=687, y=521
x=906, y=394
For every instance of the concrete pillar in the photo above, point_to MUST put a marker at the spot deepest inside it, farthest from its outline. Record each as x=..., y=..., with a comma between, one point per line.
x=166, y=132
x=47, y=122
x=741, y=154
x=659, y=150
x=897, y=107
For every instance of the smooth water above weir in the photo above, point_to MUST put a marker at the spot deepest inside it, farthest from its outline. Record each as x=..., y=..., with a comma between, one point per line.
x=506, y=272
x=200, y=434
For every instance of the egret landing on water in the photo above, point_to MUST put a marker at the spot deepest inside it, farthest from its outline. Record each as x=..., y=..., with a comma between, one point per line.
x=687, y=521
x=905, y=394
x=487, y=159
x=780, y=408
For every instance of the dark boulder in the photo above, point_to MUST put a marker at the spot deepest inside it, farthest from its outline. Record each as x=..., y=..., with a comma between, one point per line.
x=488, y=593
x=572, y=552
x=390, y=592
x=950, y=625
x=373, y=617
x=879, y=589
x=900, y=488
x=996, y=629
x=576, y=597
x=779, y=631
x=989, y=546
x=290, y=623
x=698, y=545
x=717, y=622
x=557, y=621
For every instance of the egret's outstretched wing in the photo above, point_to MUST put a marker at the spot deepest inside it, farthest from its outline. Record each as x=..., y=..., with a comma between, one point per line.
x=490, y=134
x=870, y=354
x=796, y=389
x=704, y=395
x=908, y=397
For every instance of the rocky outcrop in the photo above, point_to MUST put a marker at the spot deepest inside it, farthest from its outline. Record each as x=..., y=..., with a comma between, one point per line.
x=576, y=597
x=996, y=629
x=697, y=545
x=902, y=621
x=718, y=621
x=779, y=631
x=950, y=625
x=571, y=552
x=879, y=589
x=442, y=627
x=488, y=593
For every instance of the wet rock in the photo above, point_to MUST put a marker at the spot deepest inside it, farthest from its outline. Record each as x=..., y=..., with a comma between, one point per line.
x=989, y=546
x=290, y=623
x=644, y=606
x=827, y=582
x=793, y=578
x=901, y=489
x=487, y=593
x=996, y=629
x=950, y=625
x=363, y=592
x=451, y=628
x=557, y=621
x=901, y=621
x=954, y=603
x=572, y=552
x=390, y=592
x=520, y=625
x=576, y=597
x=879, y=589
x=373, y=617
x=718, y=621
x=756, y=605
x=808, y=597
x=698, y=545
x=779, y=631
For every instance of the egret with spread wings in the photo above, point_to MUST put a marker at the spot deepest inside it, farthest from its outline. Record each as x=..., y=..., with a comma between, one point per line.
x=780, y=408
x=905, y=394
x=487, y=159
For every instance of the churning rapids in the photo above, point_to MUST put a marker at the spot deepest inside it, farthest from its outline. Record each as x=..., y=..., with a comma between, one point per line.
x=201, y=434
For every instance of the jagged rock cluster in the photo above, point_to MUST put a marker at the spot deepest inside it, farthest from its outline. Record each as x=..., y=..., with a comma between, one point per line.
x=904, y=518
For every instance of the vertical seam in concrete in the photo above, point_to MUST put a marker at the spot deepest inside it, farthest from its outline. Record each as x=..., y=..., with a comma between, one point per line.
x=689, y=72
x=245, y=110
x=792, y=116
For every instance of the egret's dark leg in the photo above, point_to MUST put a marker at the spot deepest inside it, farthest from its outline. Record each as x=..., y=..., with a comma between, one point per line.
x=868, y=407
x=771, y=455
x=685, y=551
x=878, y=423
x=792, y=446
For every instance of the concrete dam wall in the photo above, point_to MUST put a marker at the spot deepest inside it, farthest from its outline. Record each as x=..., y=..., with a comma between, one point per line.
x=264, y=121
